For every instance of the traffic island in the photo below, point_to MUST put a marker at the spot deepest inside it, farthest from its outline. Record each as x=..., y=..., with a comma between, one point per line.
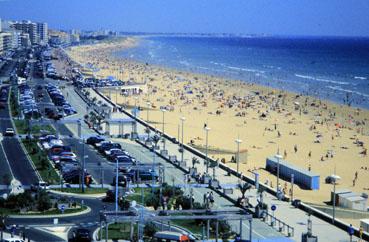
x=34, y=204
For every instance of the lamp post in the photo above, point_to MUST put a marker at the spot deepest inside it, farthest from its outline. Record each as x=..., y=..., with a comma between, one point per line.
x=182, y=119
x=207, y=129
x=147, y=111
x=279, y=157
x=116, y=95
x=116, y=185
x=335, y=177
x=238, y=142
x=163, y=128
x=135, y=115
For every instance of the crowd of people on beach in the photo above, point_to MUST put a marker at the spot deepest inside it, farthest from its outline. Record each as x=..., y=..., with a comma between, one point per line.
x=312, y=133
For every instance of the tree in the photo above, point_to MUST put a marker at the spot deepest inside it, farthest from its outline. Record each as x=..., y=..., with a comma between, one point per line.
x=195, y=161
x=152, y=200
x=184, y=201
x=224, y=229
x=150, y=230
x=244, y=187
x=43, y=201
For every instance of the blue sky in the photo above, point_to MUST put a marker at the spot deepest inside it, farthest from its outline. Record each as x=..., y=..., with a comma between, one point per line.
x=272, y=17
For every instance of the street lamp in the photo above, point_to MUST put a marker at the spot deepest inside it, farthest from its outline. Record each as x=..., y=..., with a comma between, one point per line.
x=207, y=129
x=279, y=157
x=116, y=185
x=163, y=129
x=116, y=95
x=238, y=142
x=182, y=119
x=147, y=112
x=135, y=115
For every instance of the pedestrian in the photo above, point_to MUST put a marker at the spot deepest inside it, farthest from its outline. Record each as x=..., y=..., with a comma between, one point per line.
x=309, y=154
x=295, y=148
x=207, y=200
x=211, y=199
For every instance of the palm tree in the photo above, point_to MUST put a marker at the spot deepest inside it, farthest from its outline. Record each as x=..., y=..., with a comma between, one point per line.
x=195, y=161
x=244, y=187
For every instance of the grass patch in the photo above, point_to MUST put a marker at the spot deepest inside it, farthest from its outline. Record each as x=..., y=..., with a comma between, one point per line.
x=137, y=196
x=41, y=162
x=189, y=225
x=119, y=231
x=87, y=190
x=23, y=128
x=6, y=211
x=13, y=103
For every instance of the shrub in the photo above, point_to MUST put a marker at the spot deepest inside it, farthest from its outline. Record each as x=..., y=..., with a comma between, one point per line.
x=150, y=230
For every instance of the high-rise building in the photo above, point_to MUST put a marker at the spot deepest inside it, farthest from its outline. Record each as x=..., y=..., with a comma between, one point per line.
x=7, y=41
x=16, y=39
x=42, y=32
x=25, y=40
x=1, y=44
x=29, y=28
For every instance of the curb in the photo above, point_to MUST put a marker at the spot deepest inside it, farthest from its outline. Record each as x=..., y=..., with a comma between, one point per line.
x=86, y=211
x=96, y=195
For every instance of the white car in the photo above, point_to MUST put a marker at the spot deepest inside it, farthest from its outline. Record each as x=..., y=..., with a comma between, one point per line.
x=51, y=143
x=102, y=142
x=9, y=132
x=40, y=185
x=108, y=152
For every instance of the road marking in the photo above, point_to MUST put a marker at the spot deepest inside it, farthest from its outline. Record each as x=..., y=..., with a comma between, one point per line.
x=7, y=161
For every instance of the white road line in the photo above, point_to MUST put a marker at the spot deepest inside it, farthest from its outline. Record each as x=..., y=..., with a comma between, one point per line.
x=6, y=158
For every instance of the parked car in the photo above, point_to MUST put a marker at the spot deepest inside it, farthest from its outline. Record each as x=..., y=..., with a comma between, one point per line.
x=143, y=174
x=9, y=132
x=108, y=146
x=40, y=185
x=81, y=235
x=125, y=160
x=94, y=140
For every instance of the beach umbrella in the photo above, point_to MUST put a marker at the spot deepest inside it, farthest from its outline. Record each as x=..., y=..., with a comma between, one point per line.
x=335, y=177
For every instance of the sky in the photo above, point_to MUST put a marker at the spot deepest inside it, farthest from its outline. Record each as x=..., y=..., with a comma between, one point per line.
x=270, y=17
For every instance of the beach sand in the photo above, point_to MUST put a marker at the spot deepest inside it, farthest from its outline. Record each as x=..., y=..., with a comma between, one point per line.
x=320, y=135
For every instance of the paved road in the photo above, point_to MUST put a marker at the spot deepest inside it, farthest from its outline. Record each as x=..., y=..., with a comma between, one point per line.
x=14, y=154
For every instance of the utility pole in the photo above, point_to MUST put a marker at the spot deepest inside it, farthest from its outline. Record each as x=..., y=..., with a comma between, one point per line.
x=334, y=195
x=116, y=185
x=278, y=156
x=182, y=119
x=238, y=142
x=207, y=129
x=163, y=128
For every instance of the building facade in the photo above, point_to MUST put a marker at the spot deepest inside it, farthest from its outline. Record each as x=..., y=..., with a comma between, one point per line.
x=42, y=33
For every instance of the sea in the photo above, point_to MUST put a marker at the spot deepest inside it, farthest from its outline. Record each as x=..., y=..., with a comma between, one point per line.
x=332, y=68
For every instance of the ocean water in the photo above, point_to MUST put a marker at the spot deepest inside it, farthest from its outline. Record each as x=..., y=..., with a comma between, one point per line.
x=336, y=69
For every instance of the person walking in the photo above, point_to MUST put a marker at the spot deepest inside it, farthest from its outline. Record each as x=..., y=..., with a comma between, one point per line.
x=211, y=199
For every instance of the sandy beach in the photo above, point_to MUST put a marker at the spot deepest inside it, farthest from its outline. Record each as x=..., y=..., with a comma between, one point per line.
x=313, y=134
